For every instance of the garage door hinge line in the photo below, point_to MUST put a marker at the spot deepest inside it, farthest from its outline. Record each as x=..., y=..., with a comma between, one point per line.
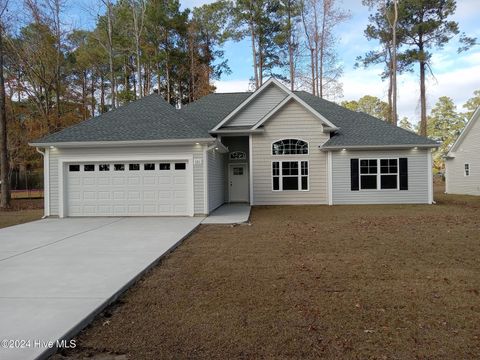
x=59, y=240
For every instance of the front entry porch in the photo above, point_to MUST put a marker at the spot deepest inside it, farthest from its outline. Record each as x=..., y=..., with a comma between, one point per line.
x=237, y=169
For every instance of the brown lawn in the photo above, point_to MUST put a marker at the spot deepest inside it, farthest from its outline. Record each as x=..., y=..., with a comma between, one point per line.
x=355, y=282
x=22, y=211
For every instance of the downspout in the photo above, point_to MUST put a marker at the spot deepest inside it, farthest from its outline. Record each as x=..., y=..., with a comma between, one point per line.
x=46, y=182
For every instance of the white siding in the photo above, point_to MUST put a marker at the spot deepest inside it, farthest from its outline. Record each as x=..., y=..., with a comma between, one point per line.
x=468, y=152
x=292, y=121
x=216, y=175
x=258, y=107
x=417, y=192
x=161, y=151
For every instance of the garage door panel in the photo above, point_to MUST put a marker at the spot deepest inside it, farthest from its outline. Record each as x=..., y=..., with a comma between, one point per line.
x=128, y=191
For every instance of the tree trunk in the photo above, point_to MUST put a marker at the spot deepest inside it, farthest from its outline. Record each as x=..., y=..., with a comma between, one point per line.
x=113, y=85
x=312, y=61
x=92, y=92
x=84, y=95
x=291, y=48
x=5, y=185
x=102, y=94
x=423, y=100
x=254, y=53
x=394, y=64
x=57, y=67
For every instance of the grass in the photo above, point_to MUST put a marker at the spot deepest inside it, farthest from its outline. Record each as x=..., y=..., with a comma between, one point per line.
x=356, y=282
x=22, y=211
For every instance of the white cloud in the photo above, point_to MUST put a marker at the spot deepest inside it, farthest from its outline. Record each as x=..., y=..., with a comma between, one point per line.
x=231, y=85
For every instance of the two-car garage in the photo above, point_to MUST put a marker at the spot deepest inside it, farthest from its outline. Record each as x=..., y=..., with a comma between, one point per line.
x=128, y=188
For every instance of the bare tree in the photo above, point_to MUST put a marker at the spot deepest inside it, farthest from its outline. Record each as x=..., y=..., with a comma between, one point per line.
x=109, y=47
x=138, y=15
x=4, y=178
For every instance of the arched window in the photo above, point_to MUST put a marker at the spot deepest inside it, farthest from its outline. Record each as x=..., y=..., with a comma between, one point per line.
x=290, y=147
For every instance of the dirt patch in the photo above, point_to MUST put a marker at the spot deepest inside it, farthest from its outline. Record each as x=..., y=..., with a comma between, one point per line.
x=377, y=282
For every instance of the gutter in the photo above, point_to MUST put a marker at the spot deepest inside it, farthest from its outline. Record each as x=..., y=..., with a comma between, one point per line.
x=374, y=147
x=123, y=143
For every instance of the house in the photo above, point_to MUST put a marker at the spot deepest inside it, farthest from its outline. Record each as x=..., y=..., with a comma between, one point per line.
x=462, y=162
x=273, y=146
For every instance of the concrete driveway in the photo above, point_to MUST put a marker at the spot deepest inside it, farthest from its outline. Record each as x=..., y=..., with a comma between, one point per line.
x=56, y=274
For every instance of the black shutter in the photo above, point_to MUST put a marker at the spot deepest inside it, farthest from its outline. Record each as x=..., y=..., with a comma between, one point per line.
x=403, y=173
x=354, y=175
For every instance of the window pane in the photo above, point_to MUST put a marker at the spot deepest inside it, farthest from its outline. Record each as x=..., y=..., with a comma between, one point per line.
x=290, y=168
x=89, y=167
x=148, y=166
x=389, y=181
x=304, y=182
x=134, y=167
x=304, y=168
x=238, y=171
x=368, y=182
x=74, y=168
x=164, y=166
x=104, y=167
x=275, y=168
x=290, y=183
x=276, y=183
x=180, y=166
x=119, y=167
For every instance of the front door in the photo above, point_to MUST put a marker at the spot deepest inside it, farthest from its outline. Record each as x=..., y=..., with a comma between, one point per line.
x=238, y=182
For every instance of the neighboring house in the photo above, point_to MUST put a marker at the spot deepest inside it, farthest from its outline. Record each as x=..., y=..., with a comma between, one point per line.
x=462, y=162
x=269, y=147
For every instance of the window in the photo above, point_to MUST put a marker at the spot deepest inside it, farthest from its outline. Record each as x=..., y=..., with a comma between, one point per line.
x=388, y=173
x=119, y=167
x=467, y=170
x=180, y=166
x=148, y=167
x=73, y=168
x=104, y=167
x=88, y=167
x=237, y=155
x=238, y=171
x=290, y=147
x=164, y=166
x=373, y=178
x=290, y=175
x=133, y=167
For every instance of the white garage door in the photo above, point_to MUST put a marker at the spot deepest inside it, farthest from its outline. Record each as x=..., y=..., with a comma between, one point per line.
x=128, y=188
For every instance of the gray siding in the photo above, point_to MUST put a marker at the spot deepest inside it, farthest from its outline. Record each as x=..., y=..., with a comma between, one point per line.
x=258, y=107
x=468, y=152
x=417, y=192
x=292, y=121
x=216, y=175
x=191, y=150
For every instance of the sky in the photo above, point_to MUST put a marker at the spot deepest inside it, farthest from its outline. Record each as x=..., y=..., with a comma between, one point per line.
x=455, y=75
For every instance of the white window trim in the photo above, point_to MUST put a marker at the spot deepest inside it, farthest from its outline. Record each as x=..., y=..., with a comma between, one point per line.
x=379, y=174
x=299, y=176
x=290, y=138
x=465, y=166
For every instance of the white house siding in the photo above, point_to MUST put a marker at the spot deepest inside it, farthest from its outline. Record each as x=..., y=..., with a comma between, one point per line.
x=162, y=151
x=258, y=107
x=216, y=175
x=418, y=178
x=292, y=121
x=468, y=152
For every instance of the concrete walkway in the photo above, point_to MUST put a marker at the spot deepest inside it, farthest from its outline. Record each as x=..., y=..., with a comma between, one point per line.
x=56, y=274
x=229, y=214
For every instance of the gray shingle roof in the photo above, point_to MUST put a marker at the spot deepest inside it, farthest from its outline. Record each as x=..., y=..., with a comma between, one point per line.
x=152, y=118
x=149, y=118
x=360, y=129
x=208, y=111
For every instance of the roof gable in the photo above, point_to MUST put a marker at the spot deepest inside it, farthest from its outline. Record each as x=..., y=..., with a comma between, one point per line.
x=469, y=127
x=270, y=82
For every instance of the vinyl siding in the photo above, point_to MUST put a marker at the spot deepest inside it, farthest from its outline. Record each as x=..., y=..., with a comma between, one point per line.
x=292, y=121
x=417, y=192
x=216, y=175
x=195, y=150
x=467, y=152
x=258, y=107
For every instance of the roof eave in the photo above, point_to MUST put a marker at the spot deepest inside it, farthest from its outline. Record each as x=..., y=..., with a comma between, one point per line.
x=374, y=147
x=128, y=143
